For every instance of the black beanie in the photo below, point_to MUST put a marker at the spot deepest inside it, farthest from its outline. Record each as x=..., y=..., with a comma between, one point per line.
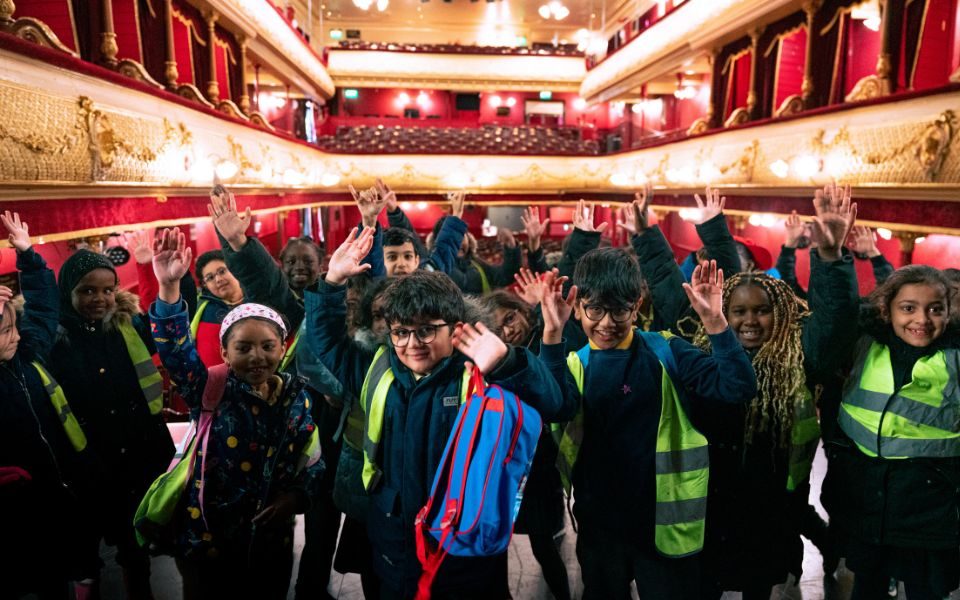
x=76, y=268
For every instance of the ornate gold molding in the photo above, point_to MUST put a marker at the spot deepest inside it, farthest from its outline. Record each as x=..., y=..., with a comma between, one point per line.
x=190, y=92
x=135, y=70
x=37, y=32
x=871, y=86
x=791, y=105
x=229, y=108
x=259, y=120
x=738, y=117
x=699, y=126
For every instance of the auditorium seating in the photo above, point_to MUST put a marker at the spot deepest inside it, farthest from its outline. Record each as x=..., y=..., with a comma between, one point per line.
x=489, y=139
x=535, y=50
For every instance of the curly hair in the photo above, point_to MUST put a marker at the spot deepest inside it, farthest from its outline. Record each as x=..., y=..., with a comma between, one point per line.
x=781, y=380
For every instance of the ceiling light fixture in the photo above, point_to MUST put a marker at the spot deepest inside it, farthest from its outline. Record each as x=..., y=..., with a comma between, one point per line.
x=554, y=10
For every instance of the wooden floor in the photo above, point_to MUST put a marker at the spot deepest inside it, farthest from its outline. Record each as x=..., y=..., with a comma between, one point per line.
x=525, y=579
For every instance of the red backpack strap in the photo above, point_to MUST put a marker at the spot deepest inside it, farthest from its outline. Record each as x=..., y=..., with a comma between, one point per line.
x=212, y=394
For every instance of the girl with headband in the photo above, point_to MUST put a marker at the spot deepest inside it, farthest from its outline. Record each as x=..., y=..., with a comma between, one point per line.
x=262, y=459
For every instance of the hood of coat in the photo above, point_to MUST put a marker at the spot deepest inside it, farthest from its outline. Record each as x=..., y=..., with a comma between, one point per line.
x=127, y=306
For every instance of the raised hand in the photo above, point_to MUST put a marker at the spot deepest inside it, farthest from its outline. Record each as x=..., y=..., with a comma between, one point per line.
x=533, y=227
x=863, y=240
x=705, y=292
x=19, y=230
x=171, y=261
x=388, y=195
x=554, y=307
x=231, y=224
x=457, y=201
x=795, y=229
x=370, y=204
x=528, y=285
x=142, y=246
x=835, y=217
x=636, y=217
x=505, y=236
x=709, y=209
x=346, y=261
x=481, y=345
x=6, y=295
x=583, y=218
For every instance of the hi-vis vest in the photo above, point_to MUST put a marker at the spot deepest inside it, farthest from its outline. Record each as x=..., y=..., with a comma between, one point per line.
x=484, y=282
x=150, y=381
x=682, y=458
x=70, y=426
x=804, y=438
x=373, y=401
x=291, y=352
x=922, y=419
x=195, y=323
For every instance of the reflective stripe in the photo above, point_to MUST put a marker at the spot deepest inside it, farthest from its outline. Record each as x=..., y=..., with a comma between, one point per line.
x=681, y=511
x=150, y=381
x=70, y=425
x=678, y=461
x=195, y=322
x=291, y=352
x=921, y=419
x=311, y=451
x=804, y=438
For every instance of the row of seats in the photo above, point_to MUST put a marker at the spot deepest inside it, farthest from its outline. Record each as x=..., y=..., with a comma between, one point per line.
x=535, y=50
x=452, y=140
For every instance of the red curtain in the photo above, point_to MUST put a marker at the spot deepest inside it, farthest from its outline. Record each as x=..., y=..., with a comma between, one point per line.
x=929, y=29
x=781, y=60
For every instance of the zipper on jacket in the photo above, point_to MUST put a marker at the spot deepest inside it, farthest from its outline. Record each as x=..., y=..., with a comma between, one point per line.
x=26, y=394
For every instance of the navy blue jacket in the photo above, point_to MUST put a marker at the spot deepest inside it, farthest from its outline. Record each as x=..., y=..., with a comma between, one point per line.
x=418, y=419
x=445, y=247
x=614, y=477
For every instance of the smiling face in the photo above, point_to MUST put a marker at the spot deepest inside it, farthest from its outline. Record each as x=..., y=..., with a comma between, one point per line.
x=94, y=296
x=253, y=350
x=400, y=260
x=606, y=333
x=750, y=315
x=301, y=265
x=219, y=281
x=418, y=356
x=919, y=314
x=9, y=335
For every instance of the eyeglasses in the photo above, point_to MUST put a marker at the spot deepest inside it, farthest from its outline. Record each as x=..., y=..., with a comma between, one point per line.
x=595, y=312
x=425, y=334
x=221, y=272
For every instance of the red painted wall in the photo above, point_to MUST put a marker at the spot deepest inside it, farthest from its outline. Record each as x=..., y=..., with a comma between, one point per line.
x=863, y=47
x=791, y=66
x=933, y=70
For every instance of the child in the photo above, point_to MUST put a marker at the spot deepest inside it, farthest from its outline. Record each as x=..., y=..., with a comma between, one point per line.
x=103, y=361
x=43, y=472
x=220, y=293
x=639, y=518
x=415, y=386
x=402, y=250
x=895, y=463
x=263, y=450
x=762, y=457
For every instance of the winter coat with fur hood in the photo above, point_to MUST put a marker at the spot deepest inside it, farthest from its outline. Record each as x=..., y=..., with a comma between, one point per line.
x=92, y=364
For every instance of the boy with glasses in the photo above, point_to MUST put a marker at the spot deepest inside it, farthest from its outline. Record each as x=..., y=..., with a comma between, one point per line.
x=632, y=452
x=219, y=292
x=411, y=390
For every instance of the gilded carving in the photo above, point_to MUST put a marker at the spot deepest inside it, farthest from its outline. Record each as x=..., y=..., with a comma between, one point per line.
x=738, y=117
x=228, y=107
x=934, y=145
x=791, y=105
x=135, y=70
x=699, y=126
x=37, y=32
x=190, y=92
x=259, y=120
x=871, y=86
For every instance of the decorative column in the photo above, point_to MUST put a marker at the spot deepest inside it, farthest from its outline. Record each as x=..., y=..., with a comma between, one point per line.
x=170, y=71
x=244, y=96
x=7, y=8
x=810, y=7
x=889, y=43
x=908, y=241
x=213, y=88
x=108, y=39
x=754, y=71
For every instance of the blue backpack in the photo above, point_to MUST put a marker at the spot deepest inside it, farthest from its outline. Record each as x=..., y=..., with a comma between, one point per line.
x=479, y=484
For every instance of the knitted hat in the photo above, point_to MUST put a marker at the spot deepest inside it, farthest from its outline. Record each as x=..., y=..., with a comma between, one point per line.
x=76, y=268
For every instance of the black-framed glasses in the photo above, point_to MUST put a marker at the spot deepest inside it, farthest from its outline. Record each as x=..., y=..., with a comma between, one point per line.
x=210, y=277
x=596, y=312
x=424, y=333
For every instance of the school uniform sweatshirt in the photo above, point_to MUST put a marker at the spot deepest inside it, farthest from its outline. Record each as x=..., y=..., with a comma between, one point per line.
x=614, y=477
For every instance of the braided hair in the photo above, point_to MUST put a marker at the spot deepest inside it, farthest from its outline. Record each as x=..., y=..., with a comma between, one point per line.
x=781, y=380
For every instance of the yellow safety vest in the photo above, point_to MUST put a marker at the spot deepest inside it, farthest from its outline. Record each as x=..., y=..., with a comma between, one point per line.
x=804, y=437
x=150, y=381
x=195, y=322
x=682, y=463
x=373, y=401
x=484, y=282
x=922, y=419
x=70, y=426
x=291, y=352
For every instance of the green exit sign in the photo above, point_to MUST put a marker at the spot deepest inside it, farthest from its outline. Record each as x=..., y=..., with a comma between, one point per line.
x=351, y=94
x=546, y=95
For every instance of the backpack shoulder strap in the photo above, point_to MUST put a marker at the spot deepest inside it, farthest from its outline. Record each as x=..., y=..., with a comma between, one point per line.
x=212, y=394
x=216, y=384
x=584, y=355
x=659, y=343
